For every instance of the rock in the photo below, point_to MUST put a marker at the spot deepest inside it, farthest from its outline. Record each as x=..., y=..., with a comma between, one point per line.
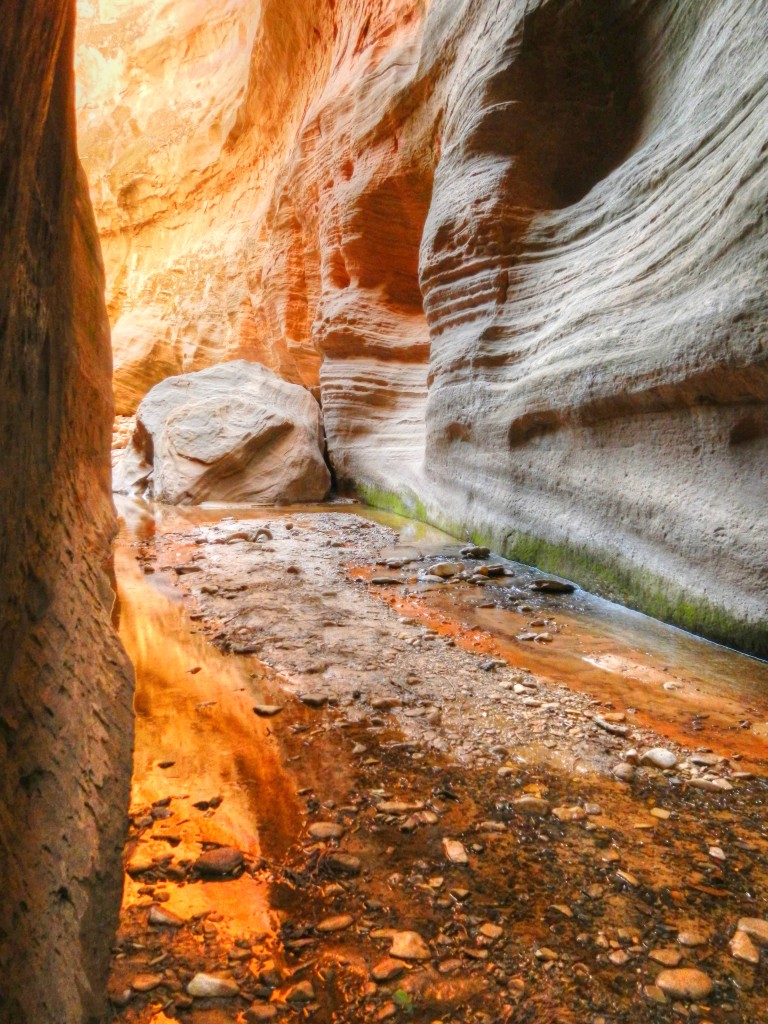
x=211, y=986
x=455, y=851
x=566, y=814
x=340, y=863
x=337, y=923
x=267, y=710
x=387, y=970
x=445, y=570
x=146, y=982
x=219, y=862
x=164, y=918
x=711, y=785
x=743, y=948
x=666, y=957
x=755, y=928
x=532, y=805
x=473, y=551
x=409, y=946
x=687, y=984
x=692, y=937
x=624, y=772
x=491, y=931
x=303, y=992
x=325, y=830
x=553, y=586
x=260, y=1012
x=612, y=727
x=233, y=432
x=399, y=806
x=314, y=700
x=658, y=757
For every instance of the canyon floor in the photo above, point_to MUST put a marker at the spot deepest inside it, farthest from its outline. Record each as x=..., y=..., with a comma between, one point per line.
x=380, y=776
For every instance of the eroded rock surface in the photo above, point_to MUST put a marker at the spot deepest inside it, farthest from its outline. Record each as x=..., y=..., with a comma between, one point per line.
x=520, y=248
x=65, y=696
x=235, y=432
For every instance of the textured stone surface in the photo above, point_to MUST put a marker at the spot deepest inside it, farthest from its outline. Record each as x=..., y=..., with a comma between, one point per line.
x=521, y=248
x=65, y=695
x=234, y=432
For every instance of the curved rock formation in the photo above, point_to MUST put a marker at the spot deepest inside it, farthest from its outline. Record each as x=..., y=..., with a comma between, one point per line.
x=235, y=432
x=65, y=694
x=520, y=248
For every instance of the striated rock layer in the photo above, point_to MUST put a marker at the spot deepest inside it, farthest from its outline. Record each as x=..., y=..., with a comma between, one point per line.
x=519, y=250
x=65, y=696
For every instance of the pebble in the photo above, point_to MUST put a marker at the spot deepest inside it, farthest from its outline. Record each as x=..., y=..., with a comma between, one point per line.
x=314, y=700
x=756, y=928
x=146, y=982
x=624, y=772
x=409, y=946
x=569, y=813
x=532, y=805
x=691, y=937
x=303, y=992
x=666, y=957
x=335, y=924
x=219, y=862
x=743, y=948
x=387, y=970
x=399, y=807
x=619, y=957
x=711, y=785
x=165, y=918
x=491, y=931
x=446, y=569
x=260, y=1012
x=455, y=851
x=553, y=586
x=267, y=710
x=685, y=983
x=324, y=830
x=343, y=863
x=611, y=727
x=209, y=986
x=658, y=757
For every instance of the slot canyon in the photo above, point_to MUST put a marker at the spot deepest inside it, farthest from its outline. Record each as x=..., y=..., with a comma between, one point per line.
x=384, y=531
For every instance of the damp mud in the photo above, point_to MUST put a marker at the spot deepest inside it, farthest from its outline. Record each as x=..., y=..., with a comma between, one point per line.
x=366, y=791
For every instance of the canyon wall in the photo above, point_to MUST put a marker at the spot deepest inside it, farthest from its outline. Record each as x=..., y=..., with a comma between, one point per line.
x=65, y=695
x=518, y=250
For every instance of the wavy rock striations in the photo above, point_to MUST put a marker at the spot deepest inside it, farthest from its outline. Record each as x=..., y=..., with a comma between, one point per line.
x=518, y=249
x=65, y=695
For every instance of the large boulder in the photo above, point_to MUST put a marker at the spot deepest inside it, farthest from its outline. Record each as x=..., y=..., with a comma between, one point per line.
x=235, y=432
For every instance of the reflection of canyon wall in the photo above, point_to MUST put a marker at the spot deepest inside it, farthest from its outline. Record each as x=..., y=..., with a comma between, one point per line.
x=521, y=249
x=65, y=717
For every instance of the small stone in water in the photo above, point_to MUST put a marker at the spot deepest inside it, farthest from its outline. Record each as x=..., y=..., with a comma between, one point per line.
x=326, y=830
x=409, y=946
x=303, y=992
x=685, y=983
x=219, y=862
x=743, y=948
x=387, y=970
x=146, y=982
x=335, y=924
x=658, y=757
x=455, y=851
x=208, y=986
x=755, y=928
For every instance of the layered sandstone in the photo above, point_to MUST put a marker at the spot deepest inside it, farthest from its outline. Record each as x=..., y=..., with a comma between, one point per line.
x=520, y=249
x=65, y=700
x=232, y=433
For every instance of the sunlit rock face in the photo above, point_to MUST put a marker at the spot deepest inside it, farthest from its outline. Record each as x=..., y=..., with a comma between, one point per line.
x=235, y=432
x=65, y=695
x=519, y=248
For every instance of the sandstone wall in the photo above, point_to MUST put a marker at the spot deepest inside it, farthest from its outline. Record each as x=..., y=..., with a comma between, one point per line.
x=65, y=713
x=520, y=249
